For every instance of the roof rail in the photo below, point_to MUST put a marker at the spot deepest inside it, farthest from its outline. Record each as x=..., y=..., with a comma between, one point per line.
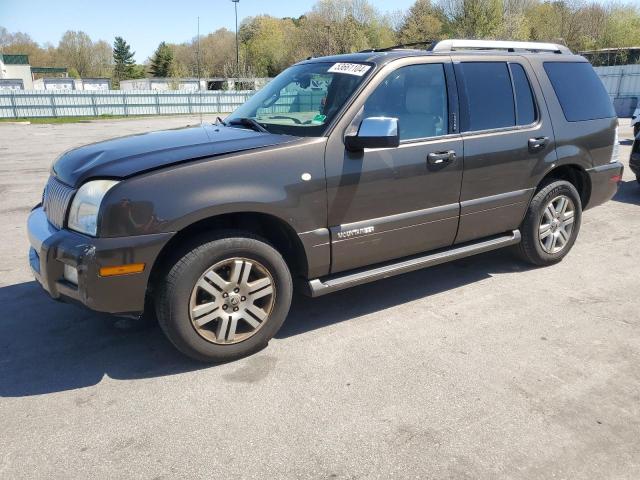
x=395, y=47
x=453, y=45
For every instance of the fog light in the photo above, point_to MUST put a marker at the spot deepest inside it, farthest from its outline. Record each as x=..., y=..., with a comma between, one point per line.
x=70, y=274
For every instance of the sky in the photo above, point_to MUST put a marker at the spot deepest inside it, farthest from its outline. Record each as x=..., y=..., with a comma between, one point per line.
x=144, y=24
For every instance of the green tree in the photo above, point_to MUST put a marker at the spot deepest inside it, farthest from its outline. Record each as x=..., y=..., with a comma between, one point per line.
x=124, y=63
x=475, y=18
x=75, y=50
x=138, y=71
x=162, y=61
x=341, y=26
x=622, y=27
x=423, y=21
x=264, y=41
x=216, y=50
x=73, y=73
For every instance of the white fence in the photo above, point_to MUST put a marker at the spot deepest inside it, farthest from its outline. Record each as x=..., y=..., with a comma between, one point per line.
x=623, y=86
x=32, y=103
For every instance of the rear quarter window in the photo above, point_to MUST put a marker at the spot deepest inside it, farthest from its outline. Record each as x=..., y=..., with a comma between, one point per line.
x=580, y=92
x=525, y=105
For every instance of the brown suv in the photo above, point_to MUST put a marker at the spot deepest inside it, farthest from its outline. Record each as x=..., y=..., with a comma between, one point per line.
x=341, y=171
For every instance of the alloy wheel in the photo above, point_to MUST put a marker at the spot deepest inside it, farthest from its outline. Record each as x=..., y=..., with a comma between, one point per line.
x=556, y=224
x=232, y=300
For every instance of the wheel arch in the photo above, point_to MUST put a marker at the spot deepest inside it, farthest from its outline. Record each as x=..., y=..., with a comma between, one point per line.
x=575, y=175
x=273, y=229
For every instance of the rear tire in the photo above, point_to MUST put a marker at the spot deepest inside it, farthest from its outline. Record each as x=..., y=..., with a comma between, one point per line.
x=551, y=224
x=225, y=298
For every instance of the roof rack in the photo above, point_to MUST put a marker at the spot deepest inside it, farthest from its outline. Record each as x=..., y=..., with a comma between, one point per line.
x=537, y=47
x=396, y=47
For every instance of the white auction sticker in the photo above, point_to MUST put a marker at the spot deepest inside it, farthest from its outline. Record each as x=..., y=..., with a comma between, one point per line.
x=357, y=69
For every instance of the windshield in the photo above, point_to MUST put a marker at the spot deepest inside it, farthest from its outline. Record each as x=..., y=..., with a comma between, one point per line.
x=302, y=100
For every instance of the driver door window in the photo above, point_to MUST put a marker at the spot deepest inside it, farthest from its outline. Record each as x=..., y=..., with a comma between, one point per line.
x=417, y=96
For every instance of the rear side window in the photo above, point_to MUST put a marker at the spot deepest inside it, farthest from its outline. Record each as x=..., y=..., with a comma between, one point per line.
x=494, y=95
x=488, y=94
x=579, y=90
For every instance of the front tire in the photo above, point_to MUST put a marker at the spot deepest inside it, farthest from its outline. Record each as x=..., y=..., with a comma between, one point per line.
x=551, y=224
x=225, y=298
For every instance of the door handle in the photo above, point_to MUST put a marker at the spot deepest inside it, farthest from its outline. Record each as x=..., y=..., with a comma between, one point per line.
x=538, y=143
x=440, y=158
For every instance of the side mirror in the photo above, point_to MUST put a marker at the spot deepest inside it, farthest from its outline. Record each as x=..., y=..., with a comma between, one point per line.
x=374, y=132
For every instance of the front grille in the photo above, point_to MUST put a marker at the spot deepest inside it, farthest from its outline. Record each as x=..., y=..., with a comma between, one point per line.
x=55, y=201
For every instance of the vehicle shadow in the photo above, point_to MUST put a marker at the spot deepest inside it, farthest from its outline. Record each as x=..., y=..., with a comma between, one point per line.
x=312, y=313
x=47, y=346
x=628, y=192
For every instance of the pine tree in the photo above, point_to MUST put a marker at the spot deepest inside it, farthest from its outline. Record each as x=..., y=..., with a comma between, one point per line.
x=123, y=60
x=162, y=61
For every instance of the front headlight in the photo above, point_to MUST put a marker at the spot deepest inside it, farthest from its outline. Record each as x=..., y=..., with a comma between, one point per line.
x=83, y=215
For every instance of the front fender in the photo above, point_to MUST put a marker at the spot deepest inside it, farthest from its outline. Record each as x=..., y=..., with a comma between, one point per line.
x=268, y=180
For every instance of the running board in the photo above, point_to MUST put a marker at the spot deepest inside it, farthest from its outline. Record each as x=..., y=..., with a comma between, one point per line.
x=319, y=287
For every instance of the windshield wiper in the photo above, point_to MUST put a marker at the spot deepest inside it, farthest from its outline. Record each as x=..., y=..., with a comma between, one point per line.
x=248, y=122
x=220, y=121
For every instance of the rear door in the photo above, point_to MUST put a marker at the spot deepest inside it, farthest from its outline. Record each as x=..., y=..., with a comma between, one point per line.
x=386, y=203
x=508, y=139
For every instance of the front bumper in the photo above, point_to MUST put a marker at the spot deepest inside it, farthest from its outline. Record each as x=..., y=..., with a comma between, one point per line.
x=604, y=180
x=51, y=249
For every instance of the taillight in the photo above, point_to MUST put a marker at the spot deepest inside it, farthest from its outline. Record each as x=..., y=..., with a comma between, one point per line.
x=615, y=153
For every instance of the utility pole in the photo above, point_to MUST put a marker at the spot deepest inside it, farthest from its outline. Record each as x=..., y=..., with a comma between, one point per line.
x=235, y=4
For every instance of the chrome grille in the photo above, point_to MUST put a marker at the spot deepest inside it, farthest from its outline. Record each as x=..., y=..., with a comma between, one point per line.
x=56, y=200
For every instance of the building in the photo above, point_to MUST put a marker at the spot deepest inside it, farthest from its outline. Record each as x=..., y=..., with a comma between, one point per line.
x=93, y=84
x=162, y=84
x=193, y=84
x=64, y=84
x=15, y=72
x=55, y=84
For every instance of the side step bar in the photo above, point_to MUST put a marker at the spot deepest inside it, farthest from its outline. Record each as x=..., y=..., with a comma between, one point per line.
x=319, y=287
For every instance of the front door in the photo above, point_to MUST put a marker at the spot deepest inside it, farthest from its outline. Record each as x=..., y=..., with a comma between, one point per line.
x=387, y=203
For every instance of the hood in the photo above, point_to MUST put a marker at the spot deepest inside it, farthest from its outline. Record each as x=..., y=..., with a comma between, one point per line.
x=127, y=156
